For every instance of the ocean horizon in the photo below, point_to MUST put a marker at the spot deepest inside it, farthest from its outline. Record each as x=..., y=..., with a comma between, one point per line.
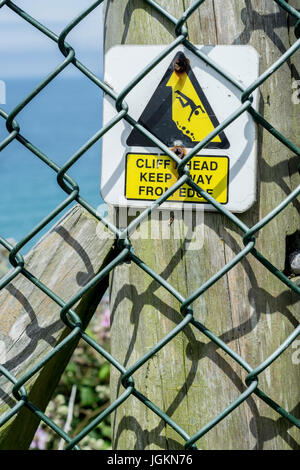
x=59, y=120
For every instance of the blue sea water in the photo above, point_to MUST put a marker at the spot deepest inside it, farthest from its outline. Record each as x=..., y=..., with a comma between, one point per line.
x=58, y=121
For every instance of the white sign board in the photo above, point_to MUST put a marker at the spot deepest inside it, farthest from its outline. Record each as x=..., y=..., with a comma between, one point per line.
x=180, y=106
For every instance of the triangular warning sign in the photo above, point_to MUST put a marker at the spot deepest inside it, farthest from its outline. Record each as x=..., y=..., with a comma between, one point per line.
x=178, y=110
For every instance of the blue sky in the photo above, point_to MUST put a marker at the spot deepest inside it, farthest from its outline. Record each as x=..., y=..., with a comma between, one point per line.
x=25, y=52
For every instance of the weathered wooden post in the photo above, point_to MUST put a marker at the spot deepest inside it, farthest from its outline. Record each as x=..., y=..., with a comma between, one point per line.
x=64, y=260
x=191, y=379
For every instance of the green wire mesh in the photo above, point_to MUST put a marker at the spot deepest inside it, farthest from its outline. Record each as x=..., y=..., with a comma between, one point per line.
x=72, y=190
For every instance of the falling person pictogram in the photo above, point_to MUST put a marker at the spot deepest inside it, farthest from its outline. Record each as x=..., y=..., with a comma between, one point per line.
x=178, y=110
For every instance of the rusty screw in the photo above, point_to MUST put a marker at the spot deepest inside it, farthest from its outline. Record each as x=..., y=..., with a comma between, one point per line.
x=179, y=149
x=180, y=63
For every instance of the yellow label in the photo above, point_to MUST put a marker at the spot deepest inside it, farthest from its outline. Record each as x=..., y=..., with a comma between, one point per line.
x=188, y=111
x=149, y=176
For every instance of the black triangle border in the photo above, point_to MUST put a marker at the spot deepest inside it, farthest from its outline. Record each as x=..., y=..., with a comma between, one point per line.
x=224, y=144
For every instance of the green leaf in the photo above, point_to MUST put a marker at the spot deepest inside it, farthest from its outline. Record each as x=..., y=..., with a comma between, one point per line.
x=90, y=333
x=71, y=367
x=104, y=372
x=105, y=430
x=87, y=396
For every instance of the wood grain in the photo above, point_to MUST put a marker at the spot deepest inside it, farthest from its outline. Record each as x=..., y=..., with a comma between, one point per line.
x=191, y=379
x=65, y=259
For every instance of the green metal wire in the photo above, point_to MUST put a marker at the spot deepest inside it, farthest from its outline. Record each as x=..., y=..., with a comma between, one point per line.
x=72, y=189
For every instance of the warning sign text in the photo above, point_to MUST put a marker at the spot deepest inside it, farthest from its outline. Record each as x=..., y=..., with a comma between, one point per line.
x=149, y=176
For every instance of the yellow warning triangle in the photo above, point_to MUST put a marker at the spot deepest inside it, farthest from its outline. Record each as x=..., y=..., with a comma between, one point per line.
x=178, y=110
x=188, y=111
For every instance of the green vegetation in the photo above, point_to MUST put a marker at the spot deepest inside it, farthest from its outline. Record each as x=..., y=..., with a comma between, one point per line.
x=82, y=393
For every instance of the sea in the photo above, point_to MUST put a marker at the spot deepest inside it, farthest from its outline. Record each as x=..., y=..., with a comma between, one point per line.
x=58, y=121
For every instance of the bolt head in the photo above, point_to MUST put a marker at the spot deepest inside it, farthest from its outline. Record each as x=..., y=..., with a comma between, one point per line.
x=294, y=259
x=180, y=64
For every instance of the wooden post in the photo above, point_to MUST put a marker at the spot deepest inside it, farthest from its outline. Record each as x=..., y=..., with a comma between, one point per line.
x=191, y=379
x=65, y=260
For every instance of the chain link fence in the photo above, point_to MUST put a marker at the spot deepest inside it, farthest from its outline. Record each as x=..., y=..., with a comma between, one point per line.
x=72, y=190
